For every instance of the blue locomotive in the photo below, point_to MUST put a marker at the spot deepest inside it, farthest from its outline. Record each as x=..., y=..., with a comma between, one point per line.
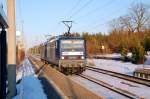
x=67, y=53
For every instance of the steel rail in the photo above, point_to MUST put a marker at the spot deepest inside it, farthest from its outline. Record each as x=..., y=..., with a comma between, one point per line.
x=111, y=87
x=122, y=76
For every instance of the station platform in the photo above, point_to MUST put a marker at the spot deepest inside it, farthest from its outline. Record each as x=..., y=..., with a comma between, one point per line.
x=47, y=83
x=29, y=86
x=60, y=86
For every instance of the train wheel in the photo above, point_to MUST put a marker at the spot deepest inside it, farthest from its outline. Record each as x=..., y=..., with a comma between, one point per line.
x=61, y=69
x=44, y=61
x=64, y=70
x=67, y=71
x=81, y=70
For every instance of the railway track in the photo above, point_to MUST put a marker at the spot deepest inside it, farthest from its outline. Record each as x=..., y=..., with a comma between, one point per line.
x=119, y=75
x=122, y=76
x=111, y=87
x=117, y=90
x=62, y=82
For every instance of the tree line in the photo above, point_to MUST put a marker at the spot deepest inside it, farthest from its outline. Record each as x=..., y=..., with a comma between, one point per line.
x=128, y=33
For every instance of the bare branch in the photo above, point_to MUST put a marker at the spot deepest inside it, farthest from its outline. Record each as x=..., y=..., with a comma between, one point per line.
x=139, y=14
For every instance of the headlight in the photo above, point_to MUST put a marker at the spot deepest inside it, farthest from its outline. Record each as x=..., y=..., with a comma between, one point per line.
x=82, y=57
x=62, y=57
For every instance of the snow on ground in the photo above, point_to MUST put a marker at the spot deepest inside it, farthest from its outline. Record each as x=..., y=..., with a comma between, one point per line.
x=118, y=66
x=114, y=55
x=99, y=90
x=29, y=87
x=147, y=62
x=24, y=70
x=135, y=88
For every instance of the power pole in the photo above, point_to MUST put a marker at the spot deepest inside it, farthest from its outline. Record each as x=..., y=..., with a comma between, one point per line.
x=69, y=25
x=11, y=49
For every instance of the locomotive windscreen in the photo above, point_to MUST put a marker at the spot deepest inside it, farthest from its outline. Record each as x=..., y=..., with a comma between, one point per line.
x=72, y=47
x=72, y=44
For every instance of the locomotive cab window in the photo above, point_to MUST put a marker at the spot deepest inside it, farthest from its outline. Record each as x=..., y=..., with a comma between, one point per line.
x=74, y=45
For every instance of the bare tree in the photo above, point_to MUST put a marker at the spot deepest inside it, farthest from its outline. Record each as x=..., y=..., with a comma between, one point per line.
x=139, y=14
x=126, y=23
x=137, y=19
x=115, y=25
x=121, y=24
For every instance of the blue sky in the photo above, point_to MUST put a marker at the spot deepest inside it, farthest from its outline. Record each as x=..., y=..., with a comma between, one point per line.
x=43, y=17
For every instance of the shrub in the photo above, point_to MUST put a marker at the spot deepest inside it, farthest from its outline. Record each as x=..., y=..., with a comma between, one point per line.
x=138, y=54
x=147, y=43
x=124, y=53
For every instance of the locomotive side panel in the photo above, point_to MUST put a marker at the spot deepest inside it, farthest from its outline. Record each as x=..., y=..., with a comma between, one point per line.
x=51, y=53
x=48, y=52
x=43, y=52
